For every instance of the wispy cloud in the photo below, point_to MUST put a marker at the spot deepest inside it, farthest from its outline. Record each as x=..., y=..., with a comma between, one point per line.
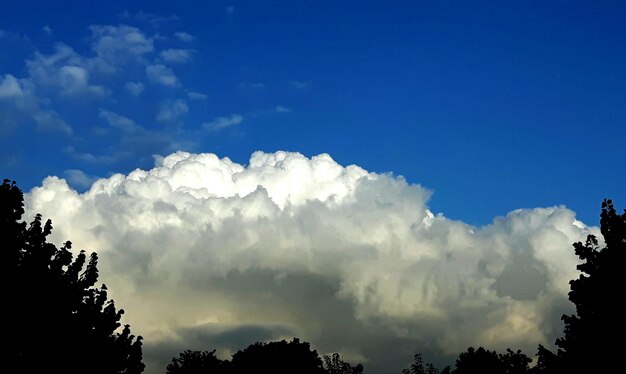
x=162, y=74
x=255, y=85
x=170, y=111
x=135, y=88
x=19, y=104
x=282, y=109
x=196, y=95
x=49, y=120
x=115, y=46
x=220, y=123
x=65, y=71
x=116, y=120
x=176, y=55
x=10, y=87
x=300, y=84
x=153, y=19
x=47, y=29
x=88, y=156
x=184, y=36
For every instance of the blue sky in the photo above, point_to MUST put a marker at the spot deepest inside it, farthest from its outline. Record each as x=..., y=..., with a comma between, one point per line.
x=492, y=105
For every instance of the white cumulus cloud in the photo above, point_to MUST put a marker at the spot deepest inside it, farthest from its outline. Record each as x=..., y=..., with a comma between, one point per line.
x=206, y=253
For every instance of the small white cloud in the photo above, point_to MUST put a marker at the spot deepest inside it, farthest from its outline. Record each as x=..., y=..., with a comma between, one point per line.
x=170, y=111
x=220, y=123
x=162, y=74
x=176, y=55
x=300, y=84
x=184, y=37
x=47, y=29
x=282, y=109
x=230, y=9
x=79, y=178
x=196, y=95
x=135, y=88
x=10, y=87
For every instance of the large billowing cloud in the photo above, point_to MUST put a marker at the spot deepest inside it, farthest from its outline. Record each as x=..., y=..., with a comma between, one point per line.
x=205, y=253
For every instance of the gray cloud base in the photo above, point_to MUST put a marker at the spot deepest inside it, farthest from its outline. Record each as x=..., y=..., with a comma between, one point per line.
x=205, y=253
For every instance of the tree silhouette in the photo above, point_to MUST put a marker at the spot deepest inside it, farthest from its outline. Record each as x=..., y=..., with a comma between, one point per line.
x=55, y=319
x=197, y=362
x=419, y=367
x=333, y=364
x=479, y=360
x=279, y=358
x=593, y=337
x=515, y=362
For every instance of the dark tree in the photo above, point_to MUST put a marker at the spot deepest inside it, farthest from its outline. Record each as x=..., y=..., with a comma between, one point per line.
x=593, y=339
x=278, y=358
x=197, y=362
x=417, y=367
x=335, y=365
x=55, y=320
x=431, y=369
x=479, y=360
x=546, y=361
x=515, y=362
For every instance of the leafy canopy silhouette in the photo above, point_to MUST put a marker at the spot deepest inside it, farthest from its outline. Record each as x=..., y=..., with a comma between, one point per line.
x=281, y=357
x=56, y=320
x=593, y=336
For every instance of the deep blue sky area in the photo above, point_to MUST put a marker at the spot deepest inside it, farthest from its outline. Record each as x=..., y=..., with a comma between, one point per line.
x=493, y=105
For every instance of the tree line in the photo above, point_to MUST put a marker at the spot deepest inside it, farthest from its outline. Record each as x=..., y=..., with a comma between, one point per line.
x=58, y=320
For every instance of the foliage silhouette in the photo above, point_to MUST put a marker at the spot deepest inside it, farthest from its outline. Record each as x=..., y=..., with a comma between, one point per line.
x=56, y=321
x=482, y=360
x=419, y=367
x=278, y=357
x=197, y=362
x=591, y=341
x=478, y=361
x=333, y=364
